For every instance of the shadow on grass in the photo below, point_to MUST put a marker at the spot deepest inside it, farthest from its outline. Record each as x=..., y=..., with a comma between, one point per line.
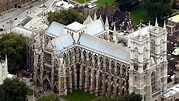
x=139, y=13
x=79, y=95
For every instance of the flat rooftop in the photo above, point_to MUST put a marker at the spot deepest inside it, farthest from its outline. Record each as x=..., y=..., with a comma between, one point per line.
x=174, y=18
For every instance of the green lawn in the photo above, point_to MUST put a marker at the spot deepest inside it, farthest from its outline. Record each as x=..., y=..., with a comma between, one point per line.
x=139, y=13
x=79, y=95
x=51, y=97
x=102, y=98
x=102, y=3
x=82, y=1
x=30, y=91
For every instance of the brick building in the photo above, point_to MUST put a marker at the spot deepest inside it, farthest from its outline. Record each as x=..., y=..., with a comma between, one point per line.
x=8, y=5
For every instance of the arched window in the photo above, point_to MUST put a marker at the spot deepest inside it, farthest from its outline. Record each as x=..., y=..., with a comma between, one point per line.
x=152, y=45
x=90, y=58
x=101, y=63
x=123, y=70
x=64, y=55
x=107, y=65
x=136, y=53
x=153, y=85
x=161, y=45
x=145, y=53
x=112, y=66
x=84, y=56
x=95, y=60
x=118, y=69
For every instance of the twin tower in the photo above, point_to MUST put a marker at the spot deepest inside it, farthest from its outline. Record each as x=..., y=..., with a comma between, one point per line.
x=148, y=62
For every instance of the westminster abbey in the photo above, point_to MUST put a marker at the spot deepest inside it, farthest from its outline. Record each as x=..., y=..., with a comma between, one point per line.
x=93, y=58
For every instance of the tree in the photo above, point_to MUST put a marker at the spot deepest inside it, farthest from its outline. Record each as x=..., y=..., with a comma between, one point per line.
x=13, y=90
x=65, y=16
x=158, y=8
x=131, y=97
x=14, y=46
x=127, y=5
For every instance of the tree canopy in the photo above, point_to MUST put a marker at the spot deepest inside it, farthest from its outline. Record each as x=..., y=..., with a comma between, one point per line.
x=65, y=16
x=131, y=97
x=14, y=46
x=127, y=5
x=158, y=8
x=13, y=90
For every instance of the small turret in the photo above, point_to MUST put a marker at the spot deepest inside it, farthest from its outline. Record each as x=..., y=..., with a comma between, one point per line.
x=140, y=32
x=107, y=28
x=95, y=17
x=164, y=25
x=107, y=22
x=114, y=34
x=156, y=23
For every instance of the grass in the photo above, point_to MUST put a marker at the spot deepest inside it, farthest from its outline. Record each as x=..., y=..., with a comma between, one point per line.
x=30, y=91
x=79, y=95
x=82, y=1
x=137, y=14
x=102, y=3
x=102, y=98
x=51, y=97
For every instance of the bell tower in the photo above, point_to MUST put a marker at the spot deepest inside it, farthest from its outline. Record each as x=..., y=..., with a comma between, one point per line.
x=139, y=62
x=159, y=53
x=148, y=62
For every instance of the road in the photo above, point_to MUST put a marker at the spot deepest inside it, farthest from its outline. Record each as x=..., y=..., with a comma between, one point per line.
x=9, y=20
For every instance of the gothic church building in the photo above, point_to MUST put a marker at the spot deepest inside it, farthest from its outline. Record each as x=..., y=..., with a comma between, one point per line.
x=93, y=58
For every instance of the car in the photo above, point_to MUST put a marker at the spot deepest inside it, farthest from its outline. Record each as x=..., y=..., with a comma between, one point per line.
x=43, y=5
x=15, y=18
x=1, y=29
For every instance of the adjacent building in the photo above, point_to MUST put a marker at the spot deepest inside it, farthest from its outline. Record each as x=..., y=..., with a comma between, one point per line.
x=8, y=5
x=82, y=56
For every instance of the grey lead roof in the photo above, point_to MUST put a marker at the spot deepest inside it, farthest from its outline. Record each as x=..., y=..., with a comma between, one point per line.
x=104, y=47
x=95, y=27
x=55, y=29
x=62, y=42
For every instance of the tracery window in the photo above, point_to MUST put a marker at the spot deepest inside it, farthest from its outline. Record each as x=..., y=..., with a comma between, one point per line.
x=79, y=52
x=118, y=68
x=84, y=56
x=152, y=45
x=112, y=66
x=145, y=53
x=95, y=60
x=161, y=45
x=90, y=59
x=101, y=63
x=153, y=82
x=136, y=53
x=123, y=70
x=107, y=65
x=70, y=56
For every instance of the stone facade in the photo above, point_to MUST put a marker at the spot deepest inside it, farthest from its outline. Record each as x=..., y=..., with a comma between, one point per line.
x=81, y=56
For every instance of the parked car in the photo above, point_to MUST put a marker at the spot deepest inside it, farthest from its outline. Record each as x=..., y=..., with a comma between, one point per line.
x=1, y=29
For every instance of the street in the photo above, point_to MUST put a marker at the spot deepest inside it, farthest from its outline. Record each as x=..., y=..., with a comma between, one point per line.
x=14, y=18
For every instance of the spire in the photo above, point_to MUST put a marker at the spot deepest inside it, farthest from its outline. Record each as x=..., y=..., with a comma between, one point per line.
x=106, y=22
x=100, y=17
x=95, y=17
x=140, y=32
x=88, y=20
x=149, y=25
x=156, y=23
x=6, y=58
x=114, y=34
x=164, y=25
